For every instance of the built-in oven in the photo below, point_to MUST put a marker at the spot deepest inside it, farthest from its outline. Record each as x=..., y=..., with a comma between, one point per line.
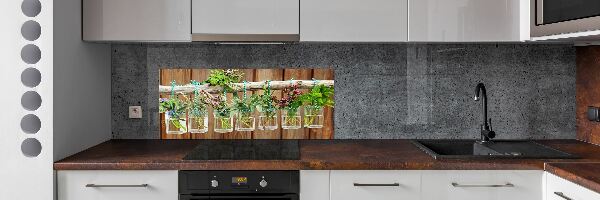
x=234, y=185
x=554, y=17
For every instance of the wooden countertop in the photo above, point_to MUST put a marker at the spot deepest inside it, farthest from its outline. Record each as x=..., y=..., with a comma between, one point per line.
x=314, y=154
x=584, y=174
x=331, y=155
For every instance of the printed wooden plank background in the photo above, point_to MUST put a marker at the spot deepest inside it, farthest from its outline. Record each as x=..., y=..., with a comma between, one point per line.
x=184, y=76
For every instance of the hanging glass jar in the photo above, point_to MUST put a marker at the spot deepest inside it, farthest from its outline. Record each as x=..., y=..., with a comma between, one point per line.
x=291, y=119
x=198, y=113
x=174, y=109
x=267, y=118
x=313, y=117
x=267, y=121
x=245, y=121
x=223, y=122
x=244, y=107
x=198, y=123
x=174, y=124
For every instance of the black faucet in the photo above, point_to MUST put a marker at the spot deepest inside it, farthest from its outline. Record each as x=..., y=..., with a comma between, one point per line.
x=486, y=129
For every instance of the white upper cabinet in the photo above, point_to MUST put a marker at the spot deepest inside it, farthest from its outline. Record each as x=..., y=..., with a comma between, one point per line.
x=136, y=20
x=307, y=20
x=468, y=20
x=353, y=20
x=245, y=20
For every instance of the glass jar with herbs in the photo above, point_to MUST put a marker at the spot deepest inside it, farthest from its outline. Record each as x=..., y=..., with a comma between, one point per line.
x=315, y=100
x=267, y=109
x=197, y=112
x=174, y=110
x=244, y=108
x=289, y=106
x=223, y=120
x=223, y=114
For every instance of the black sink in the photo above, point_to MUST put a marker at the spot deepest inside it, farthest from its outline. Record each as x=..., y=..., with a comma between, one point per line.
x=471, y=149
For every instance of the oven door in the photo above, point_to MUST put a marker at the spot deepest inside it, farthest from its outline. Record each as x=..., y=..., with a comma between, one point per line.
x=244, y=197
x=553, y=17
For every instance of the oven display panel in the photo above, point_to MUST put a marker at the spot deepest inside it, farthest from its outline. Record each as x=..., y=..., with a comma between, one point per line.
x=239, y=181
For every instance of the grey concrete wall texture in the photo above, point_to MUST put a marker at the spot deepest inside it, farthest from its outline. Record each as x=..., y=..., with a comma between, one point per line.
x=382, y=90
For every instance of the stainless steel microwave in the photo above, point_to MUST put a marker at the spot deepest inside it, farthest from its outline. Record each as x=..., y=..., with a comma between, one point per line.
x=554, y=17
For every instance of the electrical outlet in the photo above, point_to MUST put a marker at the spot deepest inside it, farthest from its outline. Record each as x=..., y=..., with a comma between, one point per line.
x=135, y=112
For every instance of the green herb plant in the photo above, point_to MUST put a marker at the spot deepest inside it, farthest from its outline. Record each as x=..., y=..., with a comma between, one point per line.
x=290, y=103
x=318, y=97
x=222, y=110
x=197, y=106
x=245, y=107
x=267, y=105
x=224, y=78
x=175, y=108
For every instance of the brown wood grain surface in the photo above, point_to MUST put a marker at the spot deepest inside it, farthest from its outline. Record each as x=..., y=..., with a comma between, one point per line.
x=183, y=76
x=587, y=92
x=314, y=155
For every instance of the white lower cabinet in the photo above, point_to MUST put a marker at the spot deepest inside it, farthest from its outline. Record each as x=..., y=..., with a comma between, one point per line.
x=482, y=185
x=314, y=185
x=117, y=185
x=560, y=189
x=341, y=185
x=375, y=185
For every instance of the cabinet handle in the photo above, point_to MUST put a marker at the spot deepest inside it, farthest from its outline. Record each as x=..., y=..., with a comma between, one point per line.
x=376, y=184
x=560, y=194
x=115, y=186
x=502, y=185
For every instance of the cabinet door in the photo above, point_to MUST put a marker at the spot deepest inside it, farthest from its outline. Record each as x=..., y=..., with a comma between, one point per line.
x=136, y=20
x=247, y=17
x=468, y=20
x=117, y=185
x=560, y=189
x=482, y=185
x=353, y=20
x=375, y=184
x=314, y=185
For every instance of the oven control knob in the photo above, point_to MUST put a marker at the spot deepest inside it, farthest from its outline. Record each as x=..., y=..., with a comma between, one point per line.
x=263, y=183
x=214, y=183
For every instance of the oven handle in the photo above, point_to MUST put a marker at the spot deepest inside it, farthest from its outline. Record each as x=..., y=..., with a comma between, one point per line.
x=245, y=196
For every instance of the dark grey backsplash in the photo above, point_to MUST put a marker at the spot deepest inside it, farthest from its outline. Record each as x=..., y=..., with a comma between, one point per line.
x=382, y=90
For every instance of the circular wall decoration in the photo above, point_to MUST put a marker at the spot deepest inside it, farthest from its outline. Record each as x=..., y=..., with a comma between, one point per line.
x=31, y=54
x=31, y=100
x=31, y=30
x=31, y=124
x=31, y=8
x=31, y=147
x=31, y=77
